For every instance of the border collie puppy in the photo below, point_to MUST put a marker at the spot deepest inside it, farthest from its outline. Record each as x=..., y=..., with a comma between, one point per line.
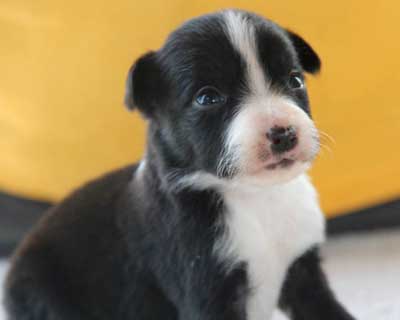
x=219, y=220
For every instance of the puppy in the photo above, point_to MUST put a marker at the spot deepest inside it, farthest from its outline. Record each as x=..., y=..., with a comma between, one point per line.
x=219, y=220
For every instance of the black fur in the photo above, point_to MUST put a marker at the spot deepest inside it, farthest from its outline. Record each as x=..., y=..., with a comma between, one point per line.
x=308, y=57
x=129, y=245
x=306, y=294
x=144, y=76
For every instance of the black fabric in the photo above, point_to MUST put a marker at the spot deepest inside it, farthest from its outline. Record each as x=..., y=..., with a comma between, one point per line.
x=382, y=216
x=17, y=215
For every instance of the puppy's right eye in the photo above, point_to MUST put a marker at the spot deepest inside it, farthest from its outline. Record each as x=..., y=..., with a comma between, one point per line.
x=210, y=96
x=296, y=80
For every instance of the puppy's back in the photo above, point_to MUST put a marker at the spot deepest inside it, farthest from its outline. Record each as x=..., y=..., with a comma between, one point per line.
x=74, y=256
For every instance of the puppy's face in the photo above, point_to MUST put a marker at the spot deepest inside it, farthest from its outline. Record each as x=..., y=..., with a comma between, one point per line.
x=227, y=97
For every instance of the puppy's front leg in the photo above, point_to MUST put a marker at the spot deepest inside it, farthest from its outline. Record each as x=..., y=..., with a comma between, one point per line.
x=216, y=298
x=200, y=283
x=306, y=294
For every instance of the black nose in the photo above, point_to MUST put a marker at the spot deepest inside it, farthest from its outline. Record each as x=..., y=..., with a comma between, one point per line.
x=282, y=139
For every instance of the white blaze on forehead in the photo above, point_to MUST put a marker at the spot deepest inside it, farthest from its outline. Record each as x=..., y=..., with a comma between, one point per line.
x=246, y=151
x=242, y=35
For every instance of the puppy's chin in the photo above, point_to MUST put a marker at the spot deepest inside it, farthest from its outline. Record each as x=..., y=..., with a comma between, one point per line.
x=201, y=180
x=278, y=173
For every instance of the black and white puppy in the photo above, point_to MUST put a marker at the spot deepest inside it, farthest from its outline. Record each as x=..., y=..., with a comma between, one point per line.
x=219, y=220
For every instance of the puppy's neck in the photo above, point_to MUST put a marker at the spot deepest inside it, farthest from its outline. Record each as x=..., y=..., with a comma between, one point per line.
x=163, y=163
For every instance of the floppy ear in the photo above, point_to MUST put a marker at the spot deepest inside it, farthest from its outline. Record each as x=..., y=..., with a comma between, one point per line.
x=143, y=84
x=308, y=57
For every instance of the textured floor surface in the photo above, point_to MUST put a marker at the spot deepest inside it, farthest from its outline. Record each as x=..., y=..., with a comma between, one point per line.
x=364, y=271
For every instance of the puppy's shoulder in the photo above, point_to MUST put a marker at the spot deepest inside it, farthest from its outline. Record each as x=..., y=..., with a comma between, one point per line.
x=78, y=233
x=94, y=202
x=78, y=244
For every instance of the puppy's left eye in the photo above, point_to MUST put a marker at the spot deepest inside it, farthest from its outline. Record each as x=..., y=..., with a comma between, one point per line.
x=209, y=96
x=296, y=81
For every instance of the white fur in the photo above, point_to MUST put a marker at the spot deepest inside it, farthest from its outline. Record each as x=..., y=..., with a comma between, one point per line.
x=139, y=172
x=273, y=215
x=247, y=149
x=242, y=36
x=141, y=167
x=268, y=228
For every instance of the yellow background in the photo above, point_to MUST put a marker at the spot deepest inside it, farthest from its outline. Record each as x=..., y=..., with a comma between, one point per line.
x=63, y=66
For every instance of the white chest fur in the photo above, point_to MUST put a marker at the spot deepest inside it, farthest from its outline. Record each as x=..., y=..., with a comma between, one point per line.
x=269, y=229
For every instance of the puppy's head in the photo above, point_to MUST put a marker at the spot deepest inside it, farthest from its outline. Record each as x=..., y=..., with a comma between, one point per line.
x=227, y=98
